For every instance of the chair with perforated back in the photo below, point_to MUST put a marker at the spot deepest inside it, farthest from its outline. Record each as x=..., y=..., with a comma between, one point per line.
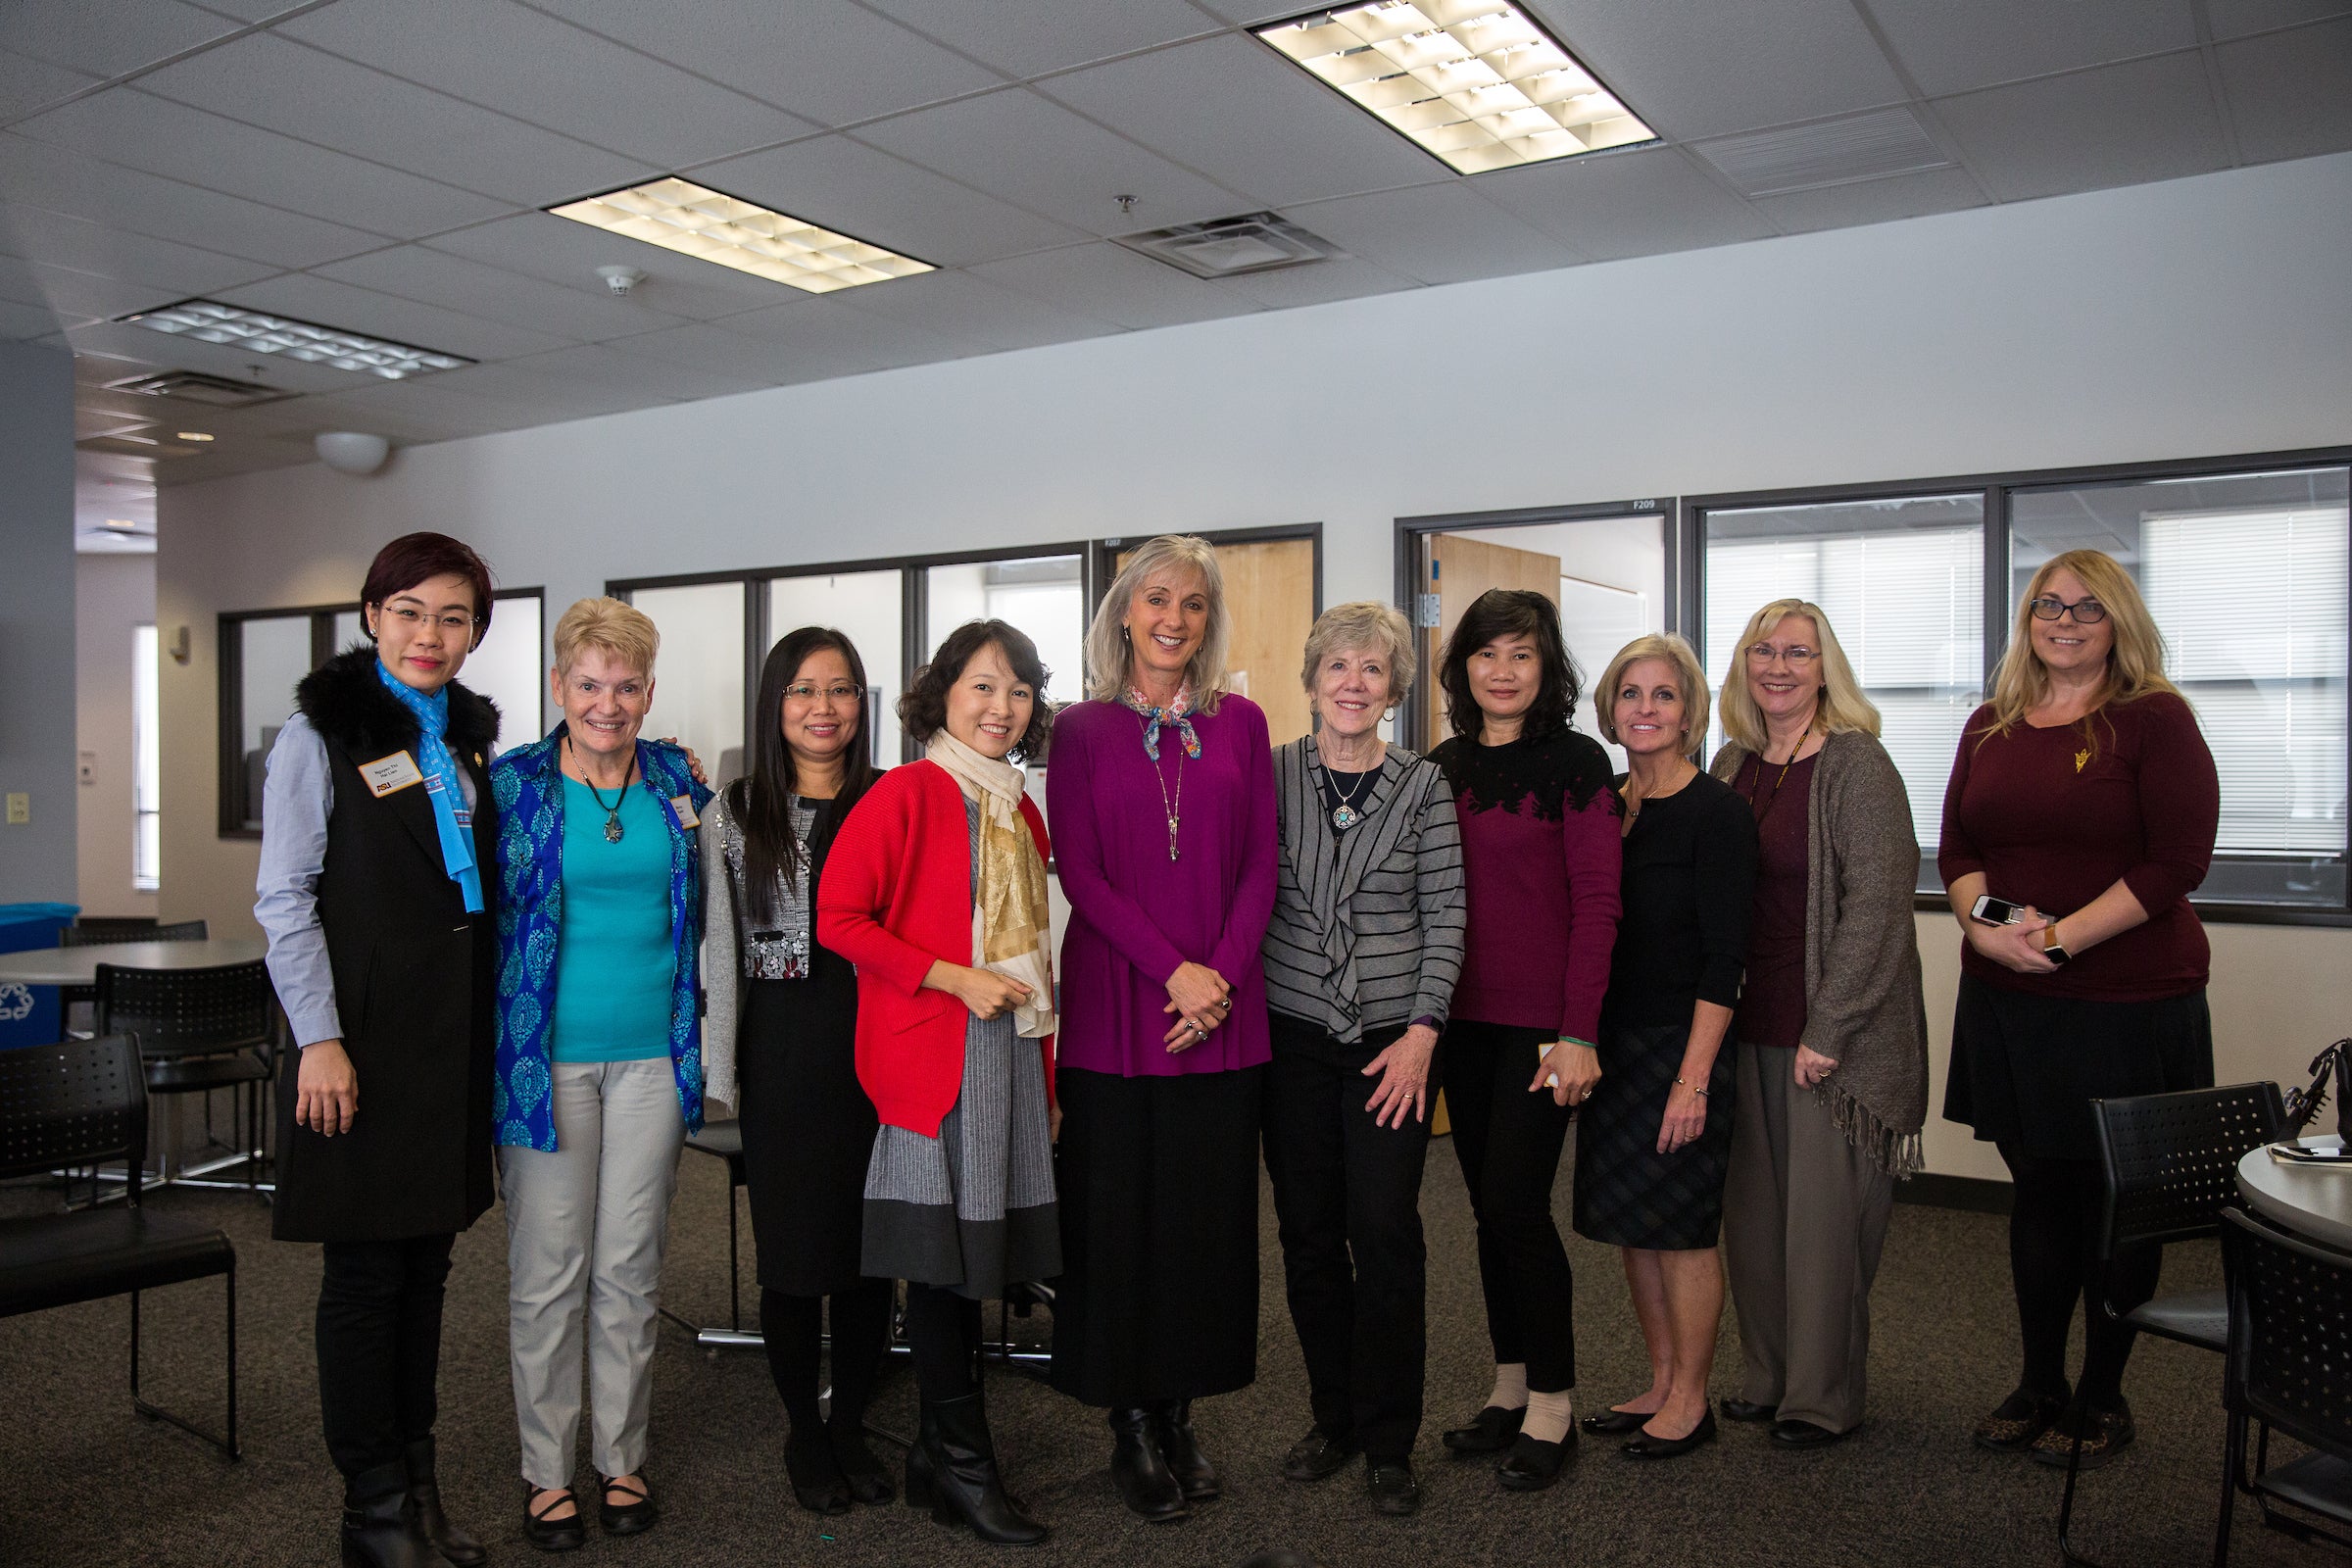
x=85, y=1103
x=2289, y=1367
x=2170, y=1162
x=105, y=930
x=199, y=1030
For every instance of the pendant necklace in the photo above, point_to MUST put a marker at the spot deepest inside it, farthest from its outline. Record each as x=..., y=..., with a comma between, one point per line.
x=1173, y=809
x=1344, y=816
x=1772, y=800
x=612, y=811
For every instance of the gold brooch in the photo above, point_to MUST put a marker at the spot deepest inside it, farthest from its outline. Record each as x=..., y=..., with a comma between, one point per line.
x=2081, y=758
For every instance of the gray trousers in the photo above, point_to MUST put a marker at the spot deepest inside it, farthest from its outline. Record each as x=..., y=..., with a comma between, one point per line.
x=1804, y=1217
x=585, y=1230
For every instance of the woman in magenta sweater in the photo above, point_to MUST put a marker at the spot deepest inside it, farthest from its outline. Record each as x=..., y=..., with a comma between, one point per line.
x=1540, y=858
x=1163, y=797
x=936, y=890
x=2084, y=794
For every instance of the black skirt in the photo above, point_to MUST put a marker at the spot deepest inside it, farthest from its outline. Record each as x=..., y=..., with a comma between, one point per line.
x=2026, y=1067
x=807, y=1128
x=1627, y=1192
x=1159, y=1293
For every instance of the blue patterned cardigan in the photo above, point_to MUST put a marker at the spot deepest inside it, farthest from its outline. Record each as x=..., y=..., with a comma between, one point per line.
x=528, y=784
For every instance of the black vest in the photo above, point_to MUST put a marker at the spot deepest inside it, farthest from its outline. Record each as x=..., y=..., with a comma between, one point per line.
x=414, y=979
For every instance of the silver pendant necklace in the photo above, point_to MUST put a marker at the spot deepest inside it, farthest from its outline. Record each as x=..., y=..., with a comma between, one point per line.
x=1344, y=816
x=1173, y=809
x=612, y=811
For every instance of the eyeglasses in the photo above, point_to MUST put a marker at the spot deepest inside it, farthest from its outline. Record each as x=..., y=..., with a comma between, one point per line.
x=1798, y=656
x=414, y=618
x=2087, y=611
x=801, y=691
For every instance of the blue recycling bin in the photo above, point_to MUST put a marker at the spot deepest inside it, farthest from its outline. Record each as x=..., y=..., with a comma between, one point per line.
x=29, y=1016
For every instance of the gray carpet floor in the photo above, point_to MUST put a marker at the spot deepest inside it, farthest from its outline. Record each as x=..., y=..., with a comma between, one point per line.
x=93, y=1483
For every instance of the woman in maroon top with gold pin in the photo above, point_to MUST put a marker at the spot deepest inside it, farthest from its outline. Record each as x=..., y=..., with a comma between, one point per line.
x=2080, y=814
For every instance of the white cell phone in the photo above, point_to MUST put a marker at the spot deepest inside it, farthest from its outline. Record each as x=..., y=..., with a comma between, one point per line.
x=1543, y=1054
x=1990, y=910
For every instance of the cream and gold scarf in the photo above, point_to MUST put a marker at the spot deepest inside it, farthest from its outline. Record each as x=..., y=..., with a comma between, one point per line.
x=1011, y=920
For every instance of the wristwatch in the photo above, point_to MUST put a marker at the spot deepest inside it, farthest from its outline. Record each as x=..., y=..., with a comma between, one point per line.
x=2051, y=948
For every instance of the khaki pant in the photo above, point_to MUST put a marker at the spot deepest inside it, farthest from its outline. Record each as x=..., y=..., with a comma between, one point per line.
x=1804, y=1217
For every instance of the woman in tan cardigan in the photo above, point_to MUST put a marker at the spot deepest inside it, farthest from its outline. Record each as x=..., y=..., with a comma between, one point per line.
x=1831, y=1032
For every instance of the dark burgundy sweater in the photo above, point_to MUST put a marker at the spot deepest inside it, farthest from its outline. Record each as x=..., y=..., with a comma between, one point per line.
x=2053, y=819
x=1541, y=851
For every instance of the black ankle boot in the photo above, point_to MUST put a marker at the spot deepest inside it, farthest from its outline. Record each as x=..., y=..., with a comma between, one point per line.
x=1197, y=1478
x=425, y=1506
x=951, y=1470
x=379, y=1530
x=1137, y=1468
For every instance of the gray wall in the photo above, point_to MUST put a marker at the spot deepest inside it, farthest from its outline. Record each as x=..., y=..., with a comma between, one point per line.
x=37, y=619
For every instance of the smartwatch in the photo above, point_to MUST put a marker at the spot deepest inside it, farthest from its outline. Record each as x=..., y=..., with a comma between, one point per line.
x=2051, y=949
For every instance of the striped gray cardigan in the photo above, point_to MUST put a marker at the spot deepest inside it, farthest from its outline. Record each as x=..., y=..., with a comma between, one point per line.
x=1367, y=927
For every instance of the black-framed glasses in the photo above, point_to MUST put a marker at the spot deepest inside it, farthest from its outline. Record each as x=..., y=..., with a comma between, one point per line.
x=2087, y=611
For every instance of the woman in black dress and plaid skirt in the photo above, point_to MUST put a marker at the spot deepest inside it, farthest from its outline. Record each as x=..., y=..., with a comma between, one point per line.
x=1654, y=1141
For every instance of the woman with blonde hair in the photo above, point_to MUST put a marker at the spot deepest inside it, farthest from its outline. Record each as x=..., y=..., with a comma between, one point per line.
x=2084, y=801
x=1831, y=1028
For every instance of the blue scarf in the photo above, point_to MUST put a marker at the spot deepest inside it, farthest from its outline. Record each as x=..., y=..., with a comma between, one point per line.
x=450, y=812
x=1176, y=713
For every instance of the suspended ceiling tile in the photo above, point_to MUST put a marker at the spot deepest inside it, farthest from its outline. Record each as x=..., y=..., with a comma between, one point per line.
x=328, y=303
x=826, y=61
x=1870, y=201
x=26, y=84
x=1319, y=283
x=1026, y=39
x=1952, y=48
x=1016, y=145
x=856, y=189
x=1247, y=12
x=1115, y=284
x=107, y=38
x=1613, y=205
x=2232, y=19
x=974, y=311
x=2115, y=126
x=556, y=250
x=2291, y=93
x=76, y=294
x=583, y=312
x=44, y=174
x=522, y=63
x=1443, y=234
x=86, y=247
x=1693, y=71
x=128, y=127
x=1239, y=113
x=716, y=349
x=26, y=320
x=318, y=97
x=623, y=374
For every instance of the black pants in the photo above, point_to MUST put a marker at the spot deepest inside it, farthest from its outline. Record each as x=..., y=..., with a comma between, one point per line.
x=1508, y=1141
x=943, y=1330
x=1348, y=1200
x=379, y=1346
x=2054, y=1262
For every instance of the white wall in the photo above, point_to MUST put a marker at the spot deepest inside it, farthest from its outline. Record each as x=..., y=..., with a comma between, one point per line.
x=112, y=594
x=36, y=620
x=2197, y=316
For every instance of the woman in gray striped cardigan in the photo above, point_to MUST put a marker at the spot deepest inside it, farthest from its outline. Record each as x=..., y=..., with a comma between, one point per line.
x=1361, y=957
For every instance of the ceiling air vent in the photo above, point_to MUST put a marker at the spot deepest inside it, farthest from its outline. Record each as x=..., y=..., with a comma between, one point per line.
x=191, y=386
x=1834, y=151
x=1228, y=247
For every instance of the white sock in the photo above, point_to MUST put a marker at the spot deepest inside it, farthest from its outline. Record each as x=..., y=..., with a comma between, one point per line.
x=1548, y=1416
x=1510, y=1387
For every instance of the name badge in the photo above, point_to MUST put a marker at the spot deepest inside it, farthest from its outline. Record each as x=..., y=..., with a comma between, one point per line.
x=683, y=805
x=387, y=774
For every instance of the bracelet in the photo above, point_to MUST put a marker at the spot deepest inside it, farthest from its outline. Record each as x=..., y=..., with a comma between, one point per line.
x=1693, y=1088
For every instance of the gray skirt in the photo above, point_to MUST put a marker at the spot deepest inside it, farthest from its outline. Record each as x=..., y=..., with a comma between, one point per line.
x=973, y=1209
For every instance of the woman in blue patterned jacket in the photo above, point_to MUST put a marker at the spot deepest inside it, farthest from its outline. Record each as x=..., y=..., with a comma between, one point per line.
x=599, y=1070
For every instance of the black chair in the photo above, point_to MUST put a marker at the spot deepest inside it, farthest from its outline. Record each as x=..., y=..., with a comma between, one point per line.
x=104, y=930
x=84, y=1102
x=199, y=1030
x=2289, y=1367
x=723, y=1140
x=2171, y=1167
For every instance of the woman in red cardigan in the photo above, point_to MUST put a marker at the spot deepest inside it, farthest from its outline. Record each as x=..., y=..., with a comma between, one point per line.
x=936, y=890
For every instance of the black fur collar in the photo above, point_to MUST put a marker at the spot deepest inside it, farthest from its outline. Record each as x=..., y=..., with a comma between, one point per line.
x=345, y=699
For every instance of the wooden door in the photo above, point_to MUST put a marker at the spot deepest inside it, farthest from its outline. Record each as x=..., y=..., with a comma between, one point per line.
x=1270, y=594
x=1458, y=570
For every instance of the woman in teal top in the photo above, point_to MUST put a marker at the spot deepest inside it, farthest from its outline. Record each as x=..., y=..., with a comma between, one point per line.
x=599, y=1070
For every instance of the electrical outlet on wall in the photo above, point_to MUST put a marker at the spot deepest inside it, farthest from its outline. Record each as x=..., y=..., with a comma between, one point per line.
x=20, y=808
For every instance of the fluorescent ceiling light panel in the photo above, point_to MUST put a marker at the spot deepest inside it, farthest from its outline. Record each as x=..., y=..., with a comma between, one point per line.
x=695, y=220
x=1476, y=82
x=281, y=336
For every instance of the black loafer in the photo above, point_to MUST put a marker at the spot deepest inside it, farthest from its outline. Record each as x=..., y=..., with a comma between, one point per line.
x=1793, y=1434
x=625, y=1518
x=1391, y=1488
x=1746, y=1410
x=1614, y=1423
x=1534, y=1463
x=569, y=1533
x=1491, y=1430
x=2106, y=1434
x=1317, y=1455
x=1647, y=1445
x=2018, y=1422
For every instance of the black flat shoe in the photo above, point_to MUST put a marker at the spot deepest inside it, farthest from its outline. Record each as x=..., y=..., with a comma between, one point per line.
x=634, y=1518
x=1491, y=1430
x=552, y=1534
x=1746, y=1410
x=1316, y=1456
x=1614, y=1423
x=1647, y=1446
x=1793, y=1434
x=2018, y=1421
x=1534, y=1463
x=2105, y=1434
x=1393, y=1489
x=817, y=1482
x=861, y=1472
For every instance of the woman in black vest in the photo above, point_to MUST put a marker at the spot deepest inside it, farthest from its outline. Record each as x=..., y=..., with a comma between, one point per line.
x=378, y=856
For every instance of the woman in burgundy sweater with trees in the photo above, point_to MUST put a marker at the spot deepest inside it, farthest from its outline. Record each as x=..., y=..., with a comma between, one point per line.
x=2084, y=793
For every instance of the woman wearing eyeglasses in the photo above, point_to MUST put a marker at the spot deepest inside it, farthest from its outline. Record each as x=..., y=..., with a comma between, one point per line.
x=2084, y=801
x=782, y=1023
x=1832, y=1076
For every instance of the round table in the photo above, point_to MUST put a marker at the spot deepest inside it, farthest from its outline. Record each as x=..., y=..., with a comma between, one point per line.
x=79, y=966
x=2314, y=1202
